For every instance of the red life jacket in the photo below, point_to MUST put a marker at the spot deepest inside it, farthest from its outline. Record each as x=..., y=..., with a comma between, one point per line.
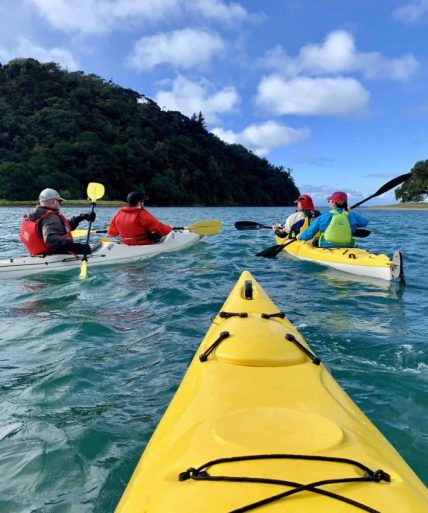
x=128, y=223
x=31, y=237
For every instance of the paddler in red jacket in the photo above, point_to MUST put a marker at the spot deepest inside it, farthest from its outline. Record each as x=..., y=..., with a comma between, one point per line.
x=135, y=225
x=46, y=230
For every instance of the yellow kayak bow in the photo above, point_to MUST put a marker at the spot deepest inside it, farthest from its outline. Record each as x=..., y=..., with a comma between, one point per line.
x=258, y=423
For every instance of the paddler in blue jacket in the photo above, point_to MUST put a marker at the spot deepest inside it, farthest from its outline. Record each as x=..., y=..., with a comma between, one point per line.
x=335, y=226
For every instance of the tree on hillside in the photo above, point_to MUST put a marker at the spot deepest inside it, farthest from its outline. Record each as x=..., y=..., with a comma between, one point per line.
x=416, y=188
x=16, y=181
x=64, y=129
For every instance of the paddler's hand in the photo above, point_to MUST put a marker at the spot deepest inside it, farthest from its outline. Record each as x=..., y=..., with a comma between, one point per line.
x=80, y=249
x=278, y=230
x=87, y=216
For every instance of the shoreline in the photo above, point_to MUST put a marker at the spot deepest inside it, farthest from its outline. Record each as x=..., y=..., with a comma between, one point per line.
x=401, y=206
x=117, y=203
x=68, y=203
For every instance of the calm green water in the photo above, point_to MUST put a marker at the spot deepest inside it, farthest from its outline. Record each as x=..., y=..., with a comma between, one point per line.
x=88, y=367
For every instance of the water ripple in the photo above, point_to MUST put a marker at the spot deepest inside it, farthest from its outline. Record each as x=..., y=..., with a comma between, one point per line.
x=88, y=367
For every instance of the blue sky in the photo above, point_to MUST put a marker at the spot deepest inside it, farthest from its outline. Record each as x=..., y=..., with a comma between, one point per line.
x=336, y=90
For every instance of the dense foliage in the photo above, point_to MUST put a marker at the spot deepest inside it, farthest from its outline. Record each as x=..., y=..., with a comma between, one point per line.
x=416, y=188
x=62, y=130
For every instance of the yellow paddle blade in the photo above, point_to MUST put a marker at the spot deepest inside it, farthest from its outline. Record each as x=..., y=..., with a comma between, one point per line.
x=95, y=191
x=83, y=270
x=207, y=227
x=84, y=233
x=81, y=233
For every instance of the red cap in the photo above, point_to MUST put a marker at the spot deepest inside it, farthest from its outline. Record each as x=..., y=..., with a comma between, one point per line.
x=305, y=201
x=338, y=197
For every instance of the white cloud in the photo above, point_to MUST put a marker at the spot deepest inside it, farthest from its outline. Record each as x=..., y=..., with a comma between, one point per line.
x=311, y=160
x=335, y=55
x=101, y=16
x=338, y=55
x=26, y=49
x=374, y=66
x=412, y=11
x=217, y=10
x=193, y=97
x=311, y=96
x=182, y=49
x=320, y=193
x=263, y=138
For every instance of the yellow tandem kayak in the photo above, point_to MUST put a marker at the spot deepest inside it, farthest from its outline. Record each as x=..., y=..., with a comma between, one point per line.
x=351, y=260
x=259, y=424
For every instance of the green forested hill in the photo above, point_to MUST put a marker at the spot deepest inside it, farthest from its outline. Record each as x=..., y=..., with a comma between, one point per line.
x=62, y=130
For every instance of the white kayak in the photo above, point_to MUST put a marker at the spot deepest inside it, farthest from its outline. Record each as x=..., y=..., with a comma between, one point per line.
x=108, y=253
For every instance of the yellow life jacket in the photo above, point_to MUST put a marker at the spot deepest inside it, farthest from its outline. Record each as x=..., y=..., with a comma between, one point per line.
x=338, y=231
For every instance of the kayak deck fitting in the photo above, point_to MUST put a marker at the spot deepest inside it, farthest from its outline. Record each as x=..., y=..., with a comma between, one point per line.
x=258, y=423
x=351, y=260
x=108, y=253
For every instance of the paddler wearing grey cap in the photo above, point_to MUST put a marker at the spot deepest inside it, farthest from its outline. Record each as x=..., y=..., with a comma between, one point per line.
x=46, y=230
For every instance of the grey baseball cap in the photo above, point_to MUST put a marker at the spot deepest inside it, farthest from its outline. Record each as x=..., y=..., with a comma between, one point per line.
x=48, y=194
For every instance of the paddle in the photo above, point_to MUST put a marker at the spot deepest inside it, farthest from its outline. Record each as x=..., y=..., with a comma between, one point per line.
x=274, y=250
x=95, y=191
x=84, y=233
x=207, y=227
x=385, y=188
x=250, y=225
x=361, y=232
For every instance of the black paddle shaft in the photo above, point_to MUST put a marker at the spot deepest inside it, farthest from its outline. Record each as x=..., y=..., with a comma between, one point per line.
x=274, y=250
x=90, y=222
x=385, y=188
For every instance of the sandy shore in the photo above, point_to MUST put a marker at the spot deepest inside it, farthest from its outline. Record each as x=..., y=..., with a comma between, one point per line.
x=401, y=206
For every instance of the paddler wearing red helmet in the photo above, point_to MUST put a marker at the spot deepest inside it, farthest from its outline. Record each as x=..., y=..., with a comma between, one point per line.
x=299, y=220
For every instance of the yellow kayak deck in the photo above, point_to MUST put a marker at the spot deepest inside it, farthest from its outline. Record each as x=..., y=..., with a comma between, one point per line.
x=259, y=405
